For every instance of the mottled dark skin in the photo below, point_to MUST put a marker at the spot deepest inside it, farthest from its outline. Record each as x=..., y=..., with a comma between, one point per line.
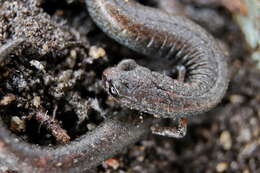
x=155, y=33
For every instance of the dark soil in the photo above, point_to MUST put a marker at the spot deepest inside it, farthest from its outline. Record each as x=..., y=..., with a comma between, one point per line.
x=57, y=73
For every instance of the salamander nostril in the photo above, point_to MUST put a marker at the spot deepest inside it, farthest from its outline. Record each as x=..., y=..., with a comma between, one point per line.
x=127, y=65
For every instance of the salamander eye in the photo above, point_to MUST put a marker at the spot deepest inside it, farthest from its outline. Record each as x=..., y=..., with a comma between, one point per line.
x=113, y=91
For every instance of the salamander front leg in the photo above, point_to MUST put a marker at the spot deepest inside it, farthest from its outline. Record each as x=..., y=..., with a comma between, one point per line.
x=181, y=130
x=172, y=132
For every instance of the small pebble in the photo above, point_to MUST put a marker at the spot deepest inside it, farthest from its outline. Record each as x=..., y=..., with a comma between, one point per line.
x=65, y=76
x=45, y=47
x=245, y=135
x=236, y=99
x=91, y=126
x=221, y=167
x=96, y=52
x=7, y=99
x=36, y=101
x=140, y=158
x=246, y=171
x=113, y=163
x=225, y=140
x=59, y=164
x=73, y=54
x=17, y=125
x=37, y=64
x=248, y=149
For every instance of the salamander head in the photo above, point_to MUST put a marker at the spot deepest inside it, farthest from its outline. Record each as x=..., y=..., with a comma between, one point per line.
x=136, y=87
x=119, y=81
x=130, y=84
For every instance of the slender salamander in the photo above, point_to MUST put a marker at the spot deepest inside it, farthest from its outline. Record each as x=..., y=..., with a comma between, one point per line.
x=200, y=86
x=203, y=76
